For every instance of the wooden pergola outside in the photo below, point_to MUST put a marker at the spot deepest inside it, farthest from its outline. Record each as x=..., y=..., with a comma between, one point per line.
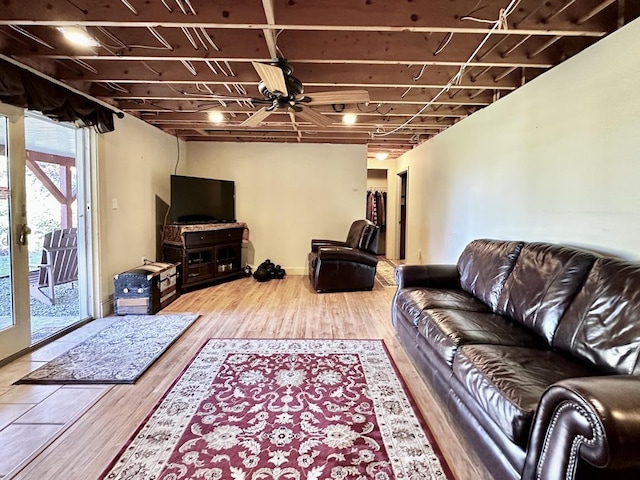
x=64, y=194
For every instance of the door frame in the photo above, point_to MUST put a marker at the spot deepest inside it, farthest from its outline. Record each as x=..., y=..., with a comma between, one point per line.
x=401, y=234
x=18, y=336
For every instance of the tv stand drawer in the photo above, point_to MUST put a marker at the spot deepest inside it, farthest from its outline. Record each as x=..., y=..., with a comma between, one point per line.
x=206, y=238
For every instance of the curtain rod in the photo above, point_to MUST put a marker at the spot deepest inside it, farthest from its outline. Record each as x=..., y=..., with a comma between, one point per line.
x=115, y=110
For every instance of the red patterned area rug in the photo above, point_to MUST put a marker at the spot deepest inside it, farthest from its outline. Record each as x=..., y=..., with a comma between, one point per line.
x=284, y=410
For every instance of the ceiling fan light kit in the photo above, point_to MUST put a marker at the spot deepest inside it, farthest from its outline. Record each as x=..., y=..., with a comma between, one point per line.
x=282, y=91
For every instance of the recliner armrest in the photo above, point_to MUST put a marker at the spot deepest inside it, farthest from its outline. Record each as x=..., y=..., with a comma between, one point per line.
x=317, y=243
x=347, y=254
x=595, y=419
x=428, y=276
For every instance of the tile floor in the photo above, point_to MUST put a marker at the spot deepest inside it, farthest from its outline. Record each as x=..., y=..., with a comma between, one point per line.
x=32, y=416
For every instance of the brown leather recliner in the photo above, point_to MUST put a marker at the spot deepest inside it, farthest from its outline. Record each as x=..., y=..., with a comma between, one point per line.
x=336, y=266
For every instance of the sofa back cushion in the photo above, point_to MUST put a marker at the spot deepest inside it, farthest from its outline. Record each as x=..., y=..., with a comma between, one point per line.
x=602, y=325
x=484, y=265
x=543, y=282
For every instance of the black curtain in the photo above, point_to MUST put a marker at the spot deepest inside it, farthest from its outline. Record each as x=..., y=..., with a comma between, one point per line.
x=22, y=88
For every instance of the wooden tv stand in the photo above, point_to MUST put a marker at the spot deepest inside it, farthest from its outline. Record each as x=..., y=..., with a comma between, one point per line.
x=207, y=253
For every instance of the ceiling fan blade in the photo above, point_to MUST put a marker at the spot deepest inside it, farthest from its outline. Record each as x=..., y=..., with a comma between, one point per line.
x=314, y=117
x=255, y=119
x=272, y=77
x=339, y=96
x=260, y=100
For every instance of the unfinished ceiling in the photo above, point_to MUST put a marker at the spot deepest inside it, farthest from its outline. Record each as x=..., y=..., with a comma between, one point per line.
x=425, y=64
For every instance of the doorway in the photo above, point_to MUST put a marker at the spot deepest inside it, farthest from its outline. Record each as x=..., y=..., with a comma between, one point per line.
x=43, y=248
x=402, y=198
x=377, y=204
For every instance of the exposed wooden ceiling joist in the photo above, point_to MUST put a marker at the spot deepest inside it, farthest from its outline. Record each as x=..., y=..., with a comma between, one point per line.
x=169, y=63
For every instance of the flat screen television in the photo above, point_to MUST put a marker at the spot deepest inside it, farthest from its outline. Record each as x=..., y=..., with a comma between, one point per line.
x=202, y=200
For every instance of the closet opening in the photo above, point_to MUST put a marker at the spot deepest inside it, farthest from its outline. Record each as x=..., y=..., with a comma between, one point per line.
x=377, y=204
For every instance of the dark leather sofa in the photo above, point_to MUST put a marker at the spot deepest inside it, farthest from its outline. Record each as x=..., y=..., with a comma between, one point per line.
x=336, y=265
x=535, y=350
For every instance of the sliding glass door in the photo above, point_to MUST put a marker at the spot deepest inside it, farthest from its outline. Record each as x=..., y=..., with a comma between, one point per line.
x=15, y=324
x=56, y=246
x=44, y=285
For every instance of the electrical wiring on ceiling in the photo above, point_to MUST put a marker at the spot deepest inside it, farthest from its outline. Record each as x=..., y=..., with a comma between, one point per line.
x=500, y=23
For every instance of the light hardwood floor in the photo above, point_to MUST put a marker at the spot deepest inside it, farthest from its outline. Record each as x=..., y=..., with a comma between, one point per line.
x=243, y=308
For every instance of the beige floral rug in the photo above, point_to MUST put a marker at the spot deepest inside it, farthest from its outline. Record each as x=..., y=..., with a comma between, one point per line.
x=385, y=273
x=284, y=409
x=120, y=353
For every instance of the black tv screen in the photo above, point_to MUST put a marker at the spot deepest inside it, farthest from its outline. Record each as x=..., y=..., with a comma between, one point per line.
x=200, y=200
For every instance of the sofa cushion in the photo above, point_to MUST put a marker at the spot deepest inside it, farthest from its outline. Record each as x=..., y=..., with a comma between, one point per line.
x=543, y=282
x=412, y=301
x=484, y=265
x=508, y=382
x=602, y=324
x=446, y=330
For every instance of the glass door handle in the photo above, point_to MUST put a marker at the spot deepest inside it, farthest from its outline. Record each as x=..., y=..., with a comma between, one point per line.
x=24, y=231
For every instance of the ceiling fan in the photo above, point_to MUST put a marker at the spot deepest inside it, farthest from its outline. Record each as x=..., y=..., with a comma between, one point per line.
x=282, y=91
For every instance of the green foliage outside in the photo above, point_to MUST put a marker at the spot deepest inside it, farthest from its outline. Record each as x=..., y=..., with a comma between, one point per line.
x=43, y=213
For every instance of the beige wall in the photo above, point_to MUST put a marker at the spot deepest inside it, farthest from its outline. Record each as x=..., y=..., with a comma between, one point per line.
x=134, y=164
x=557, y=160
x=287, y=193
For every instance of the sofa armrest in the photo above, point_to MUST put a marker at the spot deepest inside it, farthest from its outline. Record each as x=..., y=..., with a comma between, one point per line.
x=595, y=419
x=318, y=242
x=347, y=254
x=428, y=276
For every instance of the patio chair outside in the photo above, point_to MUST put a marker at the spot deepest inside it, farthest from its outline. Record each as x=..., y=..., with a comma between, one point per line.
x=59, y=264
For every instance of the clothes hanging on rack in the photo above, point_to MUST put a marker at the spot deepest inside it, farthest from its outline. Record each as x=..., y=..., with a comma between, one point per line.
x=376, y=208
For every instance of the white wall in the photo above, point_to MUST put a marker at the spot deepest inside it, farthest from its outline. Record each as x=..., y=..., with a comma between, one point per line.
x=134, y=164
x=287, y=193
x=557, y=160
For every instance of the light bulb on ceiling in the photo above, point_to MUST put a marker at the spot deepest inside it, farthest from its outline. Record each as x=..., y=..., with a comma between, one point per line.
x=382, y=156
x=349, y=118
x=215, y=116
x=78, y=35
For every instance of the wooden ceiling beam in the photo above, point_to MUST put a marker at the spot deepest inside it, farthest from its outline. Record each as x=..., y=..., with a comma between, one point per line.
x=138, y=95
x=543, y=32
x=172, y=108
x=379, y=48
x=168, y=66
x=505, y=62
x=201, y=116
x=392, y=76
x=185, y=93
x=319, y=15
x=336, y=129
x=269, y=34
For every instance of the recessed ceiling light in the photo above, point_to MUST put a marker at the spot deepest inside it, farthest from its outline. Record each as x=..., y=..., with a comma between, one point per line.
x=216, y=117
x=382, y=156
x=349, y=118
x=78, y=35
